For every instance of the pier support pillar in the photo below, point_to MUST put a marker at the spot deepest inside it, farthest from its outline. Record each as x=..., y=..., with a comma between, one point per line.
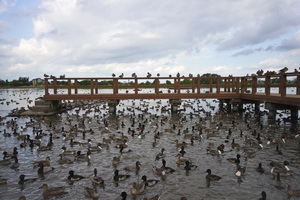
x=256, y=107
x=175, y=104
x=272, y=107
x=112, y=105
x=294, y=116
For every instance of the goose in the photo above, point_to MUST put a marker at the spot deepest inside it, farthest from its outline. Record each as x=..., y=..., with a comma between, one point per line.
x=235, y=160
x=97, y=180
x=67, y=153
x=189, y=166
x=16, y=164
x=91, y=192
x=45, y=162
x=116, y=160
x=211, y=176
x=44, y=170
x=179, y=160
x=123, y=195
x=83, y=157
x=240, y=171
x=135, y=168
x=161, y=154
x=49, y=192
x=23, y=181
x=137, y=188
x=150, y=182
x=74, y=177
x=263, y=196
x=167, y=169
x=120, y=177
x=260, y=169
x=158, y=171
x=63, y=160
x=293, y=192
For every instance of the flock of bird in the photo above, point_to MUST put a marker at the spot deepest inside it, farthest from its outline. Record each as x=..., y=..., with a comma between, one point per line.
x=82, y=138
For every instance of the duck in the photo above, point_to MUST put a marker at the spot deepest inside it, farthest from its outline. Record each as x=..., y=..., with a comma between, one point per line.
x=135, y=168
x=120, y=177
x=44, y=170
x=179, y=160
x=278, y=184
x=167, y=169
x=91, y=192
x=263, y=196
x=137, y=188
x=158, y=171
x=62, y=160
x=293, y=192
x=116, y=160
x=49, y=192
x=123, y=196
x=240, y=171
x=16, y=164
x=260, y=169
x=83, y=157
x=67, y=153
x=189, y=166
x=150, y=182
x=23, y=181
x=96, y=148
x=156, y=197
x=161, y=154
x=278, y=167
x=211, y=176
x=235, y=160
x=3, y=181
x=45, y=162
x=97, y=180
x=74, y=177
x=277, y=151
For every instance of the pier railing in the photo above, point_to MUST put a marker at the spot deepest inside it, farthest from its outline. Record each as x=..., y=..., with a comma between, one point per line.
x=282, y=88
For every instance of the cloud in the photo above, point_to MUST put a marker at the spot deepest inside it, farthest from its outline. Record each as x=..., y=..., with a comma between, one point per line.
x=290, y=44
x=82, y=37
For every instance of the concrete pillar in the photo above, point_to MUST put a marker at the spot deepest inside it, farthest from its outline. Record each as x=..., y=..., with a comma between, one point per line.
x=112, y=105
x=175, y=104
x=235, y=107
x=272, y=110
x=240, y=107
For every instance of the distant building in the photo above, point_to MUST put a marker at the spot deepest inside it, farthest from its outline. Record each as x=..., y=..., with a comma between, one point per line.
x=37, y=82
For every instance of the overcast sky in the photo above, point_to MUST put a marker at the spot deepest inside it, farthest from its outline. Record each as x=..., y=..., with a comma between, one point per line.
x=95, y=38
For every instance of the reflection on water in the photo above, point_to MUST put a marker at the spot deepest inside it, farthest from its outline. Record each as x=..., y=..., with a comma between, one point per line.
x=148, y=126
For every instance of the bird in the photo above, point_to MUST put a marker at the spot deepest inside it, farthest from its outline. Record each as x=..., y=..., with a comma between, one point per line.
x=263, y=196
x=97, y=180
x=189, y=166
x=149, y=182
x=240, y=171
x=179, y=160
x=45, y=162
x=46, y=75
x=260, y=169
x=113, y=75
x=23, y=181
x=74, y=177
x=293, y=192
x=3, y=181
x=278, y=184
x=158, y=74
x=63, y=160
x=137, y=188
x=211, y=176
x=91, y=192
x=160, y=154
x=135, y=168
x=167, y=169
x=65, y=152
x=120, y=177
x=235, y=160
x=116, y=160
x=44, y=170
x=158, y=171
x=49, y=192
x=16, y=164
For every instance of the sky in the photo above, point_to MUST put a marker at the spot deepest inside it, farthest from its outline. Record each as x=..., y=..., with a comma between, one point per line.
x=84, y=38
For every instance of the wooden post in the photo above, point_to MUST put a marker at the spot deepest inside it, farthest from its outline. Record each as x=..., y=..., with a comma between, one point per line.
x=76, y=85
x=135, y=85
x=69, y=86
x=254, y=85
x=92, y=86
x=243, y=80
x=96, y=86
x=267, y=84
x=198, y=85
x=193, y=85
x=156, y=82
x=175, y=85
x=282, y=85
x=218, y=85
x=210, y=85
x=46, y=86
x=178, y=85
x=298, y=85
x=115, y=85
x=237, y=85
x=54, y=86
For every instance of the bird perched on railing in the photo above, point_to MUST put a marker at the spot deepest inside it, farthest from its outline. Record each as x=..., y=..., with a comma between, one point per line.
x=52, y=76
x=122, y=75
x=133, y=75
x=178, y=75
x=191, y=75
x=283, y=70
x=62, y=76
x=113, y=75
x=260, y=72
x=46, y=75
x=148, y=75
x=158, y=74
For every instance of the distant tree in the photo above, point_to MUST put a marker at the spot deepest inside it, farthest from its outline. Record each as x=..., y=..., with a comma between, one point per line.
x=186, y=82
x=168, y=82
x=206, y=81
